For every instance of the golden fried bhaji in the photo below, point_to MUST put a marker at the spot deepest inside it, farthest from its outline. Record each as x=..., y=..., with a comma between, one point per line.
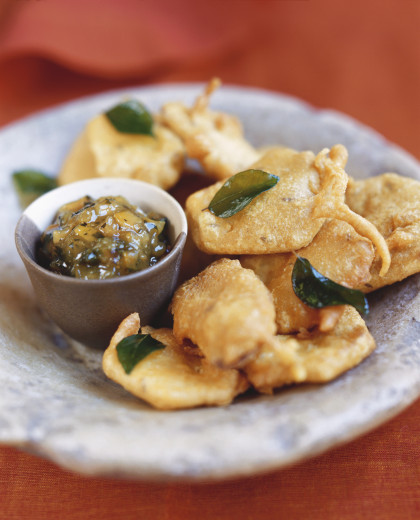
x=226, y=311
x=330, y=204
x=157, y=159
x=173, y=377
x=317, y=358
x=392, y=203
x=278, y=220
x=337, y=252
x=288, y=216
x=215, y=139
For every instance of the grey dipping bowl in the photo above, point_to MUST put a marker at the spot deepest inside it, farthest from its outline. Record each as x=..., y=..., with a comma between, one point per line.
x=90, y=310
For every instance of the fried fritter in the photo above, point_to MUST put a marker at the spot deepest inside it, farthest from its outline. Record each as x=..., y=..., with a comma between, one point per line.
x=215, y=139
x=318, y=358
x=276, y=221
x=174, y=377
x=158, y=160
x=329, y=202
x=337, y=252
x=392, y=203
x=226, y=311
x=288, y=216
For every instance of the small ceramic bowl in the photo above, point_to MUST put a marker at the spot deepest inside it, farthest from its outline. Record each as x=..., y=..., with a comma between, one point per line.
x=90, y=310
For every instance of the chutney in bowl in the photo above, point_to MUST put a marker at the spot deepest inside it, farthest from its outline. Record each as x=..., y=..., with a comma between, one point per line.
x=90, y=309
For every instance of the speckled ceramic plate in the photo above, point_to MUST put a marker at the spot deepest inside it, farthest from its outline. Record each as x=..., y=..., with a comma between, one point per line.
x=54, y=399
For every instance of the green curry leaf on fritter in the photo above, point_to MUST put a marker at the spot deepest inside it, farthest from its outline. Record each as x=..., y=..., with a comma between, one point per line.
x=133, y=349
x=318, y=291
x=131, y=117
x=239, y=190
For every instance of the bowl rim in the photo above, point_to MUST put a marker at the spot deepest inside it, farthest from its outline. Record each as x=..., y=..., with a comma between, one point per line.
x=145, y=273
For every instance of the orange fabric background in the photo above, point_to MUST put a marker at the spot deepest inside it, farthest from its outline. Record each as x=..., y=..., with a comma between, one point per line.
x=361, y=57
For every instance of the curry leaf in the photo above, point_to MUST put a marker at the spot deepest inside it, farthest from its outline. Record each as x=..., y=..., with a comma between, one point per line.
x=317, y=291
x=31, y=184
x=132, y=349
x=131, y=117
x=239, y=190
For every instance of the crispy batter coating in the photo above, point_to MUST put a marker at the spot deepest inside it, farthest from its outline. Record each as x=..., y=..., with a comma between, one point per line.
x=330, y=203
x=337, y=252
x=215, y=139
x=392, y=203
x=174, y=377
x=318, y=358
x=278, y=220
x=226, y=310
x=158, y=160
x=288, y=216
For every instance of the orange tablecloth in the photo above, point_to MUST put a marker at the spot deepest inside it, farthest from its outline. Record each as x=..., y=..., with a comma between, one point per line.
x=358, y=57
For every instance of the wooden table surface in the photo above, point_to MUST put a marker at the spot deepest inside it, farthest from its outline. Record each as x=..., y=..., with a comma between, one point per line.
x=359, y=57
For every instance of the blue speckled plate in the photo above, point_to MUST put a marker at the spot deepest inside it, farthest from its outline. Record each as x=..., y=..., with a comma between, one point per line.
x=56, y=402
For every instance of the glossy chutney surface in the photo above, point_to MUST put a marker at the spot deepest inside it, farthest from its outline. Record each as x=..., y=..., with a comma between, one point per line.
x=102, y=238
